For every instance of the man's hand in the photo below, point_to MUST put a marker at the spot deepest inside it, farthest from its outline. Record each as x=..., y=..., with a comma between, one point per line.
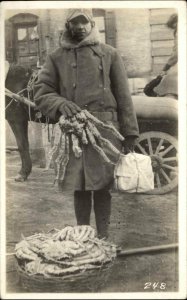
x=69, y=109
x=129, y=144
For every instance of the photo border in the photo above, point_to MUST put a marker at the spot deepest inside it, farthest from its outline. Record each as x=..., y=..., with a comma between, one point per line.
x=181, y=7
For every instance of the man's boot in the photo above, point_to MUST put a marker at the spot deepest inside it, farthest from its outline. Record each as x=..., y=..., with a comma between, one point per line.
x=82, y=206
x=102, y=208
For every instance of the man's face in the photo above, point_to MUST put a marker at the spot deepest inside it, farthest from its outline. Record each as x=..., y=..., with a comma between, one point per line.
x=79, y=28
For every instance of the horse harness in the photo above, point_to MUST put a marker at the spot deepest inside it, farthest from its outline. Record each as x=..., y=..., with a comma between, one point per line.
x=30, y=95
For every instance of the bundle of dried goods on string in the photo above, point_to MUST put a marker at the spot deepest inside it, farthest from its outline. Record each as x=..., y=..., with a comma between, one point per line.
x=63, y=252
x=82, y=129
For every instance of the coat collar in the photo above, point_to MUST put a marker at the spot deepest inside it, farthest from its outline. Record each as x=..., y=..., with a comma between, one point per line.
x=92, y=40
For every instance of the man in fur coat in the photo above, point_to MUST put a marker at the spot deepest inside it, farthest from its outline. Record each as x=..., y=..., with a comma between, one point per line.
x=86, y=74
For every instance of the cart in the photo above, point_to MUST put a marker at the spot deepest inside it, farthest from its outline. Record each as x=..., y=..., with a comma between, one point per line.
x=158, y=125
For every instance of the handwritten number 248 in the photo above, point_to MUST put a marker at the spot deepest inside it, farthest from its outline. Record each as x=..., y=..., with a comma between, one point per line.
x=154, y=285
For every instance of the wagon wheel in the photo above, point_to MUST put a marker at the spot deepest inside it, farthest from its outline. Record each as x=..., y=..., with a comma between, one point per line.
x=163, y=149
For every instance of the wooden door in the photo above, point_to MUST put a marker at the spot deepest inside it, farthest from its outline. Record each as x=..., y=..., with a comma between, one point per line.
x=22, y=40
x=9, y=41
x=26, y=44
x=105, y=21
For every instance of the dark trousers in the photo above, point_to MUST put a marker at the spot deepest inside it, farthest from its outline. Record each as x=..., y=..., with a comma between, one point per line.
x=102, y=209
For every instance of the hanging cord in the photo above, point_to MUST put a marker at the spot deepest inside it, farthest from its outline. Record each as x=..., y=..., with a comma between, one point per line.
x=22, y=91
x=30, y=86
x=138, y=180
x=48, y=128
x=10, y=103
x=28, y=95
x=29, y=89
x=48, y=132
x=32, y=80
x=29, y=106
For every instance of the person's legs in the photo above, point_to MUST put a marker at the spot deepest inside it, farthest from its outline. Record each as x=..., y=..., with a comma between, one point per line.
x=82, y=206
x=102, y=209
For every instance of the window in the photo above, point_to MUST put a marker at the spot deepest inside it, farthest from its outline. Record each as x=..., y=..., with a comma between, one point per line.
x=27, y=40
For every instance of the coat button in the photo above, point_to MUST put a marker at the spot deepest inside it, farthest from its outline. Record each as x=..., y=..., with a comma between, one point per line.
x=74, y=85
x=74, y=65
x=86, y=105
x=100, y=67
x=100, y=85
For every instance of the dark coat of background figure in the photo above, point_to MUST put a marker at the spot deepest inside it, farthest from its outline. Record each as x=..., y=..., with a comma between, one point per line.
x=166, y=83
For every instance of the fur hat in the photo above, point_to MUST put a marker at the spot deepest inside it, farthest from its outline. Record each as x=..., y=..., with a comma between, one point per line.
x=74, y=13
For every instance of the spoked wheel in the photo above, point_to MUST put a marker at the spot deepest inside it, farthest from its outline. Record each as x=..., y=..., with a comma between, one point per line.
x=163, y=150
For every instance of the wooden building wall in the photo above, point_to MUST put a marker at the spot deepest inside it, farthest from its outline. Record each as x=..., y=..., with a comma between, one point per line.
x=162, y=39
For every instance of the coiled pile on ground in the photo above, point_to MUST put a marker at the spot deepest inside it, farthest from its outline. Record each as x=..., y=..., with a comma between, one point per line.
x=63, y=252
x=82, y=129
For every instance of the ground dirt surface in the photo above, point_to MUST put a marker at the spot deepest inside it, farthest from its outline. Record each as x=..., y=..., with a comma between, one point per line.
x=137, y=220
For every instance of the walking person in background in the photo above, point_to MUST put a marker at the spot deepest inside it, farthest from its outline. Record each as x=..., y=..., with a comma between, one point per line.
x=86, y=74
x=169, y=84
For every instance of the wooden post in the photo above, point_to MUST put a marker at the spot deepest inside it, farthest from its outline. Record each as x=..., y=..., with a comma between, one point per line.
x=147, y=250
